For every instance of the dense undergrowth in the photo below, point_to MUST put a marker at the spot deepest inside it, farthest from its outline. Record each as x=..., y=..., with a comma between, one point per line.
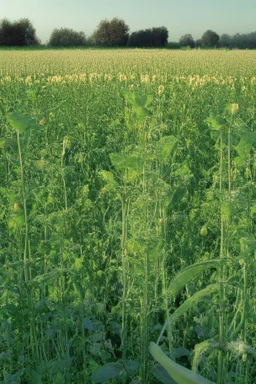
x=128, y=212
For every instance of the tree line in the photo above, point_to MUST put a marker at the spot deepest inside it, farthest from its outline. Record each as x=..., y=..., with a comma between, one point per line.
x=115, y=33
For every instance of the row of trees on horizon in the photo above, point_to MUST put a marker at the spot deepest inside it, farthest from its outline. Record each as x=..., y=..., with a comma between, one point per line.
x=115, y=33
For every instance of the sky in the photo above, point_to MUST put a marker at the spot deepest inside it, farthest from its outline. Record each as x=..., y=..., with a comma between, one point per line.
x=179, y=16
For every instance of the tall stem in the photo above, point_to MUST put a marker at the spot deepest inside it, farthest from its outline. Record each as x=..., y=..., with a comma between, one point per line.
x=125, y=210
x=25, y=209
x=220, y=377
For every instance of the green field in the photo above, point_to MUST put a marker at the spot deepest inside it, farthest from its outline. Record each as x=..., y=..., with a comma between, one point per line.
x=127, y=216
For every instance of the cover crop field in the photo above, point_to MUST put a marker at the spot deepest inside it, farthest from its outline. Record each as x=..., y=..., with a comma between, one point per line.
x=127, y=216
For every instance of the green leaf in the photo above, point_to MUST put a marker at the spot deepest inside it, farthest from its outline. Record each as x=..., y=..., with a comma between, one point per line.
x=107, y=176
x=243, y=147
x=2, y=143
x=180, y=352
x=19, y=121
x=253, y=210
x=130, y=97
x=162, y=375
x=139, y=103
x=143, y=100
x=227, y=211
x=122, y=161
x=167, y=145
x=214, y=123
x=88, y=324
x=179, y=373
x=193, y=300
x=138, y=100
x=189, y=273
x=141, y=112
x=16, y=221
x=107, y=372
x=131, y=366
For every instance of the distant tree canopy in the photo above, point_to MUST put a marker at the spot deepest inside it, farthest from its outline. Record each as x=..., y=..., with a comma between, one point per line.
x=112, y=33
x=154, y=37
x=198, y=43
x=187, y=41
x=65, y=37
x=241, y=41
x=209, y=39
x=18, y=33
x=115, y=33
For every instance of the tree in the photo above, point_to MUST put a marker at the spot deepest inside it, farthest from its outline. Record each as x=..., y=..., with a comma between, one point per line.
x=198, y=43
x=187, y=41
x=65, y=37
x=19, y=33
x=225, y=41
x=210, y=39
x=154, y=37
x=112, y=33
x=173, y=45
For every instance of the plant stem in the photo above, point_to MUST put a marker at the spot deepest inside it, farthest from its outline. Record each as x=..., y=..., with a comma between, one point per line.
x=24, y=207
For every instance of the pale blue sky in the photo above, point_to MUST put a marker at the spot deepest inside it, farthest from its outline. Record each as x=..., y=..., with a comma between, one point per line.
x=179, y=16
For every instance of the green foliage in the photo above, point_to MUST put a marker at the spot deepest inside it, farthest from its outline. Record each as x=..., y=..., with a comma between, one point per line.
x=18, y=33
x=19, y=122
x=187, y=41
x=185, y=275
x=154, y=37
x=127, y=210
x=180, y=374
x=107, y=372
x=194, y=300
x=115, y=370
x=209, y=39
x=113, y=33
x=65, y=37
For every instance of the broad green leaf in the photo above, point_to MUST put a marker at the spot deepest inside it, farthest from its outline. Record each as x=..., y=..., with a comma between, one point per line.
x=214, y=123
x=167, y=145
x=193, y=300
x=207, y=346
x=88, y=324
x=180, y=352
x=107, y=372
x=107, y=176
x=141, y=112
x=136, y=245
x=139, y=104
x=189, y=273
x=2, y=143
x=123, y=161
x=130, y=97
x=19, y=121
x=179, y=373
x=243, y=147
x=108, y=180
x=143, y=100
x=138, y=100
x=131, y=366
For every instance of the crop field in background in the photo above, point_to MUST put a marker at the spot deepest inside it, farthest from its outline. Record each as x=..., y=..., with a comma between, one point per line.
x=127, y=216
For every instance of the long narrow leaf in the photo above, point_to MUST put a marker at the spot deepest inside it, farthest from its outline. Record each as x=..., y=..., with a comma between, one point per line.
x=189, y=303
x=189, y=273
x=179, y=373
